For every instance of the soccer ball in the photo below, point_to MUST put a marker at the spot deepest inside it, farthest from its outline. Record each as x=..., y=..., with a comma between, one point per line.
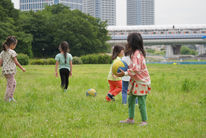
x=117, y=65
x=91, y=92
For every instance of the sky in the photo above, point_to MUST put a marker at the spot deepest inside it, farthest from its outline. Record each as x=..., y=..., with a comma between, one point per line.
x=166, y=11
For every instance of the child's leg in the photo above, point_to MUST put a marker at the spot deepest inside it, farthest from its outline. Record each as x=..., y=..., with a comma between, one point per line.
x=136, y=100
x=11, y=84
x=118, y=87
x=67, y=78
x=112, y=87
x=63, y=78
x=131, y=104
x=142, y=107
x=124, y=91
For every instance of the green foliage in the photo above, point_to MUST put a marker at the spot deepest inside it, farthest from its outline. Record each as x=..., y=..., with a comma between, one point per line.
x=23, y=59
x=48, y=61
x=155, y=52
x=85, y=34
x=76, y=60
x=9, y=18
x=150, y=50
x=96, y=59
x=6, y=29
x=7, y=11
x=187, y=51
x=24, y=43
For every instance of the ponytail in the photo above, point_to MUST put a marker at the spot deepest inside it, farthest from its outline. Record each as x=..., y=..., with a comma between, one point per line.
x=4, y=46
x=64, y=46
x=65, y=56
x=10, y=40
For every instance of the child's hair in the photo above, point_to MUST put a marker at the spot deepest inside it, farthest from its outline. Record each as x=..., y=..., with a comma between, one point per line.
x=135, y=42
x=10, y=40
x=65, y=48
x=116, y=50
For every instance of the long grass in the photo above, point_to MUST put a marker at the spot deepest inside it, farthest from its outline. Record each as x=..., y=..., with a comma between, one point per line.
x=176, y=107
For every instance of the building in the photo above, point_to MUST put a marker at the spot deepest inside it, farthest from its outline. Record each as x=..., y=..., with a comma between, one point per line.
x=103, y=9
x=140, y=12
x=35, y=5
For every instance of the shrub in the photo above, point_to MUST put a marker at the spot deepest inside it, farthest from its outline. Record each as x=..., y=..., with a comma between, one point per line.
x=49, y=61
x=76, y=60
x=23, y=59
x=187, y=51
x=96, y=59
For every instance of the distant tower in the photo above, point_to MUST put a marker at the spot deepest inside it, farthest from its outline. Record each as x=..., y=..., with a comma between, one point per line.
x=35, y=5
x=140, y=12
x=103, y=9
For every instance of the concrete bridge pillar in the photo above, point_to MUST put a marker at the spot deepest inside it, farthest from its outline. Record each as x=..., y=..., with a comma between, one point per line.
x=172, y=50
x=200, y=49
x=169, y=51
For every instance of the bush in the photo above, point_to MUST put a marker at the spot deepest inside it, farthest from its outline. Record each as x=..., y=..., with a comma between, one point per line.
x=96, y=59
x=77, y=60
x=49, y=61
x=187, y=51
x=23, y=59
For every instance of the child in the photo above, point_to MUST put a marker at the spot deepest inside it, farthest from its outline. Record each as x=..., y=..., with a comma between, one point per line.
x=9, y=60
x=139, y=85
x=125, y=80
x=114, y=81
x=64, y=61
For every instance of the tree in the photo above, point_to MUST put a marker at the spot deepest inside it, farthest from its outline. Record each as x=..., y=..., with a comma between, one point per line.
x=9, y=27
x=57, y=23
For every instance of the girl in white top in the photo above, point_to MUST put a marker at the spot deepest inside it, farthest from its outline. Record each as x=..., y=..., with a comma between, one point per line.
x=9, y=61
x=125, y=79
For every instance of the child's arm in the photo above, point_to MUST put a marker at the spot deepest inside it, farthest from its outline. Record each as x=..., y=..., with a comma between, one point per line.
x=56, y=68
x=18, y=64
x=137, y=64
x=70, y=73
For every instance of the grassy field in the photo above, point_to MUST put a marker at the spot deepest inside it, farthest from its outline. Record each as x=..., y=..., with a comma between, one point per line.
x=176, y=107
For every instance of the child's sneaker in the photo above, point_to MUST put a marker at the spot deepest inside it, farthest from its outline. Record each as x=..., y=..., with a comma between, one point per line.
x=143, y=123
x=111, y=97
x=10, y=99
x=13, y=99
x=128, y=121
x=65, y=90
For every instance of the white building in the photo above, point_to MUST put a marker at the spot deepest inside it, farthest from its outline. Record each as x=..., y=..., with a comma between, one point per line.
x=35, y=5
x=103, y=9
x=140, y=12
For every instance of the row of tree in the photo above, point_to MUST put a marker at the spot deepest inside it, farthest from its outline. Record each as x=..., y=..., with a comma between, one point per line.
x=39, y=33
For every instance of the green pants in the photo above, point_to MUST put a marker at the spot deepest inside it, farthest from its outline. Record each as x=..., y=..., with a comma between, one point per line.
x=142, y=106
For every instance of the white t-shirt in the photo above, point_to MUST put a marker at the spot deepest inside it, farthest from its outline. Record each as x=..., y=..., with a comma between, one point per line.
x=128, y=61
x=9, y=67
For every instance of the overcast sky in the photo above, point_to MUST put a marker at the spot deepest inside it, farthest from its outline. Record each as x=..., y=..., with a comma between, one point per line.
x=166, y=11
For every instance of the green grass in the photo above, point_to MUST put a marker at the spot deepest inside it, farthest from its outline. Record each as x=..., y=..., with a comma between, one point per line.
x=176, y=107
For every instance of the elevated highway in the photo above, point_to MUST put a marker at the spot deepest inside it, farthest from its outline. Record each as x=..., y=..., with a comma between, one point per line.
x=161, y=34
x=172, y=36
